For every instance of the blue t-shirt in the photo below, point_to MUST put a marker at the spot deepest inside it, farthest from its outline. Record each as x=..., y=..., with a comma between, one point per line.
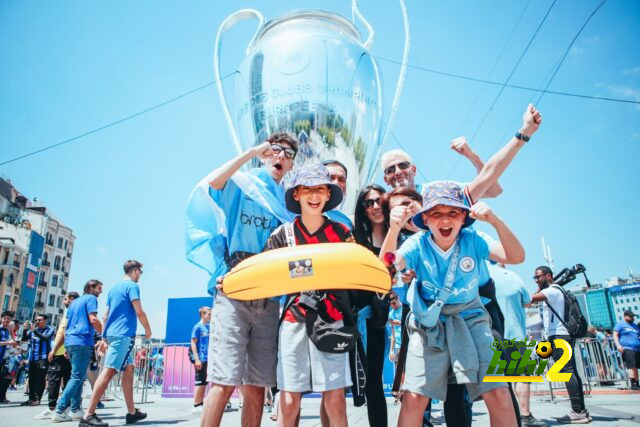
x=512, y=295
x=431, y=264
x=249, y=225
x=4, y=336
x=396, y=314
x=201, y=333
x=79, y=330
x=629, y=335
x=40, y=343
x=122, y=320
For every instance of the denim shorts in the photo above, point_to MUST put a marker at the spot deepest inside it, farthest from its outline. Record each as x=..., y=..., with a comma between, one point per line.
x=119, y=354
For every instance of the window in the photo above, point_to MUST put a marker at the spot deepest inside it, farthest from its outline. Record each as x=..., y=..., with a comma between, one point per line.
x=39, y=297
x=61, y=281
x=58, y=302
x=10, y=279
x=45, y=257
x=56, y=263
x=6, y=257
x=1, y=276
x=54, y=280
x=60, y=240
x=5, y=304
x=65, y=244
x=52, y=300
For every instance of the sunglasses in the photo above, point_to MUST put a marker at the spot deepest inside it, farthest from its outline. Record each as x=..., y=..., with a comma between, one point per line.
x=369, y=203
x=289, y=153
x=392, y=169
x=536, y=278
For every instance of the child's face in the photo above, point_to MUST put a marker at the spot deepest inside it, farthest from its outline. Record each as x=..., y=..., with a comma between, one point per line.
x=279, y=164
x=444, y=222
x=312, y=199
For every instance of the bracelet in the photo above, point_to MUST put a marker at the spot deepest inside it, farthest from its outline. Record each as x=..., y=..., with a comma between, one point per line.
x=522, y=137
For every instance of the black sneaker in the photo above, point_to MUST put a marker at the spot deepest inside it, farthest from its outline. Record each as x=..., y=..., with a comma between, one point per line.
x=93, y=421
x=531, y=421
x=135, y=417
x=29, y=403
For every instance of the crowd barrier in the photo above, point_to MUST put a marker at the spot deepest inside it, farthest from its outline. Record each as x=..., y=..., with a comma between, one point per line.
x=165, y=369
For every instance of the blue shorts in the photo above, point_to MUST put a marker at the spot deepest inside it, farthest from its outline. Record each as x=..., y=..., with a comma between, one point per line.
x=119, y=353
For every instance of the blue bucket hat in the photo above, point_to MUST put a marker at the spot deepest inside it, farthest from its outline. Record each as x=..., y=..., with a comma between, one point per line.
x=310, y=177
x=446, y=193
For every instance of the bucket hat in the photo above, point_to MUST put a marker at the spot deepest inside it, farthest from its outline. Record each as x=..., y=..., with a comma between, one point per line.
x=446, y=193
x=312, y=176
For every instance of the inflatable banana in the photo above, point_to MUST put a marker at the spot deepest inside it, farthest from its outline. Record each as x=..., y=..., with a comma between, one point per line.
x=321, y=266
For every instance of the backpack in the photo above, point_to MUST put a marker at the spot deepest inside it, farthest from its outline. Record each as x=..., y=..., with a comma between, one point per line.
x=574, y=320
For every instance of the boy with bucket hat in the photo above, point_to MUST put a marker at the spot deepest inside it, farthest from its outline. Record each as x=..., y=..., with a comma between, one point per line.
x=302, y=365
x=446, y=258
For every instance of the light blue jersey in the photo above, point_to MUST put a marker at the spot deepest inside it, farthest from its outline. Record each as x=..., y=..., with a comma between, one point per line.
x=512, y=295
x=431, y=263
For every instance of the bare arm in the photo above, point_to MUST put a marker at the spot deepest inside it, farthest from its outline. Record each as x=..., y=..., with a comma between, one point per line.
x=219, y=177
x=616, y=339
x=142, y=316
x=461, y=146
x=105, y=317
x=496, y=166
x=95, y=322
x=397, y=218
x=508, y=250
x=538, y=297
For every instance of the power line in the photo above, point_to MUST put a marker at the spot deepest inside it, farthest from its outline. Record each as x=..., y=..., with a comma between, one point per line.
x=569, y=48
x=116, y=122
x=512, y=86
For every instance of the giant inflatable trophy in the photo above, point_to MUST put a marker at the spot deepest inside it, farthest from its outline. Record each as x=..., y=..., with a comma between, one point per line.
x=309, y=73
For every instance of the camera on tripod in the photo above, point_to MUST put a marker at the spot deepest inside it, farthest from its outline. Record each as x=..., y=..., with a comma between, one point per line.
x=567, y=275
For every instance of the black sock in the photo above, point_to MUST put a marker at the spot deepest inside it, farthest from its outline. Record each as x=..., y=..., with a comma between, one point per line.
x=199, y=404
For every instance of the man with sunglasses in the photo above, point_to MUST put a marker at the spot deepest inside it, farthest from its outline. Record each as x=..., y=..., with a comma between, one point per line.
x=229, y=218
x=40, y=341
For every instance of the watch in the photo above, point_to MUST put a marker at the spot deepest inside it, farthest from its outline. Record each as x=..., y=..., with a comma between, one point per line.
x=522, y=137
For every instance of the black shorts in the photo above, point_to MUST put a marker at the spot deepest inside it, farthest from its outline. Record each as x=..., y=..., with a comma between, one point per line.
x=201, y=375
x=631, y=358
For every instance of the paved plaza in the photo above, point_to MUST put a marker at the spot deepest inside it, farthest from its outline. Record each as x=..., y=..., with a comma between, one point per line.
x=607, y=407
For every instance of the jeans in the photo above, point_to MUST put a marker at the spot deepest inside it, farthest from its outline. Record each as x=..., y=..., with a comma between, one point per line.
x=80, y=356
x=574, y=385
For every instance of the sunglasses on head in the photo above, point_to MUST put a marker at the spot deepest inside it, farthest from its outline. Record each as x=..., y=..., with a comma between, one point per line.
x=392, y=169
x=369, y=203
x=289, y=153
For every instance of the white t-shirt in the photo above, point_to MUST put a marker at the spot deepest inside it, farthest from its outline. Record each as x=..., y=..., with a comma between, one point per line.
x=553, y=325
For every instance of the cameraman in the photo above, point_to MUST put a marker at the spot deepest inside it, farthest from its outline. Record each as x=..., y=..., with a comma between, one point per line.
x=553, y=298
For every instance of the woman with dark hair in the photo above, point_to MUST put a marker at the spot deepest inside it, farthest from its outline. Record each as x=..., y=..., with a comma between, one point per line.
x=372, y=308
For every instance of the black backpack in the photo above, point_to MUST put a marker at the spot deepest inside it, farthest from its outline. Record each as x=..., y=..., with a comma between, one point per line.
x=574, y=320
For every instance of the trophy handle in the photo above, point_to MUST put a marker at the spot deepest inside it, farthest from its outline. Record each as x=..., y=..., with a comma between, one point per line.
x=229, y=22
x=355, y=12
x=403, y=70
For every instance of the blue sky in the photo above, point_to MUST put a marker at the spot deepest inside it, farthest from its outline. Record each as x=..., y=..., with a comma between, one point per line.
x=69, y=67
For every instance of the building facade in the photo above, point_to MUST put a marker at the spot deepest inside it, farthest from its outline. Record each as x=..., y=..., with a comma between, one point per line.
x=625, y=297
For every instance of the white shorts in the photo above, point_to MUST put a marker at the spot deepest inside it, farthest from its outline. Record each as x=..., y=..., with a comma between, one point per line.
x=302, y=367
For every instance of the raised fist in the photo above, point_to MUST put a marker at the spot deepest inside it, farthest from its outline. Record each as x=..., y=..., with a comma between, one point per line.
x=531, y=120
x=482, y=212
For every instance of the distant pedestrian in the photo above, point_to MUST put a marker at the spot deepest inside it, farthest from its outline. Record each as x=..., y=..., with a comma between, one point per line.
x=82, y=323
x=123, y=306
x=626, y=335
x=59, y=369
x=6, y=341
x=41, y=341
x=200, y=350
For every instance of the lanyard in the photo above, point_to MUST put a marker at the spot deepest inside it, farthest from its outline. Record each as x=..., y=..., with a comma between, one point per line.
x=433, y=312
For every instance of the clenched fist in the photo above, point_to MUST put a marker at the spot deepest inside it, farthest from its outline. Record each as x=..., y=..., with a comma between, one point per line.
x=482, y=212
x=531, y=120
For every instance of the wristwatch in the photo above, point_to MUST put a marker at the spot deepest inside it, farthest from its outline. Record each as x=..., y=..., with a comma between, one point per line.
x=522, y=137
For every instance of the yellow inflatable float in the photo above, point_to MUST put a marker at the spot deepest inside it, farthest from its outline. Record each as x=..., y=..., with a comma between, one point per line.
x=321, y=266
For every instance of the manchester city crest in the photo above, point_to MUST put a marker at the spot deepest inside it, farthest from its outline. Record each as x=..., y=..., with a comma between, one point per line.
x=467, y=264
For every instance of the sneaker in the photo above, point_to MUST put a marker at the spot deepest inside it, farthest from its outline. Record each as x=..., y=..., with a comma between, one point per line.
x=635, y=386
x=44, y=415
x=575, y=418
x=30, y=403
x=100, y=405
x=92, y=421
x=77, y=415
x=267, y=408
x=197, y=409
x=228, y=407
x=531, y=421
x=57, y=417
x=135, y=417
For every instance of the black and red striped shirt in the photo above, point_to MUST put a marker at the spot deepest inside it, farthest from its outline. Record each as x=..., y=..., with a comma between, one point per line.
x=329, y=232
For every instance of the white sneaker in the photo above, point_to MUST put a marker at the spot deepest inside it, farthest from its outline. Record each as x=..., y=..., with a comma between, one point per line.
x=75, y=416
x=60, y=418
x=45, y=415
x=196, y=409
x=228, y=408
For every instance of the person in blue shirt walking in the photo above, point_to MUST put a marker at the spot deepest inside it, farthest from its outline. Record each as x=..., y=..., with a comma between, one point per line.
x=626, y=335
x=124, y=309
x=82, y=323
x=445, y=259
x=200, y=349
x=40, y=343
